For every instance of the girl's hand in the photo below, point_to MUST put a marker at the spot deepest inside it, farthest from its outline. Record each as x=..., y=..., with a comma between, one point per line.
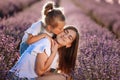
x=44, y=35
x=31, y=39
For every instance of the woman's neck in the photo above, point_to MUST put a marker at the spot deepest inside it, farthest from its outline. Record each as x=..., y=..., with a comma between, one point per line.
x=59, y=45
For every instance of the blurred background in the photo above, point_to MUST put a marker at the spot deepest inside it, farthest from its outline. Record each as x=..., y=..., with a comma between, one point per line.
x=98, y=22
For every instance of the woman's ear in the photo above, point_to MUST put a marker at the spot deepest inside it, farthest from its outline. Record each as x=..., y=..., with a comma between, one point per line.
x=68, y=45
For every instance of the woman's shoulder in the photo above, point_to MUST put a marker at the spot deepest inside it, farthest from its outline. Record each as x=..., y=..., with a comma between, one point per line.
x=46, y=40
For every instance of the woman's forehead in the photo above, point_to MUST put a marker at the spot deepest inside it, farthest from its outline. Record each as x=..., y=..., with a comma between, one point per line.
x=70, y=32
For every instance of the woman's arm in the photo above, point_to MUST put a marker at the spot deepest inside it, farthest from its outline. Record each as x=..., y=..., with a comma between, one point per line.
x=43, y=62
x=31, y=39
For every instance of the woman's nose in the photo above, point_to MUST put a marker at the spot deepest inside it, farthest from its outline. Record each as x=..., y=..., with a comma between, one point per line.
x=65, y=35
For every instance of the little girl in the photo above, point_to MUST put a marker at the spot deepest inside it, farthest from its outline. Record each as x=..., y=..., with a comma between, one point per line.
x=53, y=23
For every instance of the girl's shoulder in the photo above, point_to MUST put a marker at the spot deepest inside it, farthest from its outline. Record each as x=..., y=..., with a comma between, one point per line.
x=37, y=22
x=44, y=41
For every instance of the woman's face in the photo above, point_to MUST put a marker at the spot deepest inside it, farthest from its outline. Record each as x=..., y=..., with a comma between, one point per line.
x=66, y=37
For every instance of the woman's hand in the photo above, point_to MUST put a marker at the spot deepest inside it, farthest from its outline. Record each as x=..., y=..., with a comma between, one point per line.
x=54, y=46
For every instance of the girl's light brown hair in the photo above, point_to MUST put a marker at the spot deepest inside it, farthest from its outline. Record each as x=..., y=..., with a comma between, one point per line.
x=52, y=15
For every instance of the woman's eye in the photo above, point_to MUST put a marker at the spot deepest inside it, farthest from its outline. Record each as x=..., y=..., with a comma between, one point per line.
x=70, y=37
x=65, y=31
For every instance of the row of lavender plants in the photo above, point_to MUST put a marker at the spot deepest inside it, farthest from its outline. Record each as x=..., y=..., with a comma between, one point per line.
x=113, y=2
x=105, y=14
x=8, y=52
x=99, y=51
x=8, y=7
x=11, y=31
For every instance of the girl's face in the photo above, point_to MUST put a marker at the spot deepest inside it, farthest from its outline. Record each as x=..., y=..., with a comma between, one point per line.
x=59, y=28
x=66, y=37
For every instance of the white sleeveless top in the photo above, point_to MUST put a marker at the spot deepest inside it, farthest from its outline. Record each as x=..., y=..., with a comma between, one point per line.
x=26, y=64
x=35, y=29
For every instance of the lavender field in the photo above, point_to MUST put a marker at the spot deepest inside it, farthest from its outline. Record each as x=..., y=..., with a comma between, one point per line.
x=98, y=22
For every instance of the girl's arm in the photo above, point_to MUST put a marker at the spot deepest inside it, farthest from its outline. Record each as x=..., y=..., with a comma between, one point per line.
x=31, y=39
x=43, y=62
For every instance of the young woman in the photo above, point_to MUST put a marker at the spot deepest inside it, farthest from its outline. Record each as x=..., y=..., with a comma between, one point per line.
x=52, y=23
x=67, y=58
x=36, y=60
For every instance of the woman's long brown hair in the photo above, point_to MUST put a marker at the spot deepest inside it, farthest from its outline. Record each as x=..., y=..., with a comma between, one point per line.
x=67, y=56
